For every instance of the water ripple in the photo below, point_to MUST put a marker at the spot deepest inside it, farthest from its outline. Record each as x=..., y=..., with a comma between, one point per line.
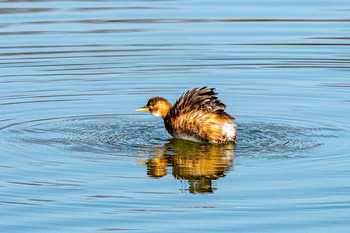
x=118, y=134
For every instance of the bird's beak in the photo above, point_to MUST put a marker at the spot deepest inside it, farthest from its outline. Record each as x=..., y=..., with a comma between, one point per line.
x=143, y=109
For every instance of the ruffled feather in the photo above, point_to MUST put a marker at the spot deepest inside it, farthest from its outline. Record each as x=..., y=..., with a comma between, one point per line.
x=204, y=99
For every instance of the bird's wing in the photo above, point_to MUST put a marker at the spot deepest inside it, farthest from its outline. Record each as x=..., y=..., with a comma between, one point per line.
x=204, y=99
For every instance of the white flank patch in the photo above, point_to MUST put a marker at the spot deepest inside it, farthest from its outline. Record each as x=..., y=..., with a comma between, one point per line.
x=229, y=130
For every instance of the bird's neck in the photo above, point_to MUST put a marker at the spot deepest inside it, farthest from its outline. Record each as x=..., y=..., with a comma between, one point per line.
x=165, y=109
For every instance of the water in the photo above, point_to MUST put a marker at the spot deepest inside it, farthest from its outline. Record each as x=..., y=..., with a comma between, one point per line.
x=75, y=157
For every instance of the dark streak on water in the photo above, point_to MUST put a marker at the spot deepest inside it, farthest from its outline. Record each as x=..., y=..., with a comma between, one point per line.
x=75, y=157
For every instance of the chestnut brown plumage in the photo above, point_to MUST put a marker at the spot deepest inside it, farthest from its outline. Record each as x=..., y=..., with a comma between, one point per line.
x=198, y=115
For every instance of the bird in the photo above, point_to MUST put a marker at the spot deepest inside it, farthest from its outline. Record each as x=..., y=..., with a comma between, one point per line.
x=198, y=115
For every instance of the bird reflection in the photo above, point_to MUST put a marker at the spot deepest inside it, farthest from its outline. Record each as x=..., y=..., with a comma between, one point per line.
x=197, y=163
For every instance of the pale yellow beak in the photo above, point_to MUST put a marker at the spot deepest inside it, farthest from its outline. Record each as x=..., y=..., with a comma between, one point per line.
x=143, y=109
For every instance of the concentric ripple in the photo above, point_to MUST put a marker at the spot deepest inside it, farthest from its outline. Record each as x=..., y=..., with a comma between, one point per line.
x=278, y=140
x=125, y=134
x=106, y=134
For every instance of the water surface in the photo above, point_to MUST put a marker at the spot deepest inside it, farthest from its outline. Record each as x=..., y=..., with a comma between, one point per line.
x=76, y=157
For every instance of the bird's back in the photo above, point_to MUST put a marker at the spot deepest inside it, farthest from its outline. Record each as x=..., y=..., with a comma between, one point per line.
x=199, y=115
x=204, y=99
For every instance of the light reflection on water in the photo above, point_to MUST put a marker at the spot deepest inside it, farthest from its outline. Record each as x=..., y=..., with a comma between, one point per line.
x=75, y=156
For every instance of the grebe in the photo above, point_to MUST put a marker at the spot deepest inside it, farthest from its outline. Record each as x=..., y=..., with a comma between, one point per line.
x=197, y=115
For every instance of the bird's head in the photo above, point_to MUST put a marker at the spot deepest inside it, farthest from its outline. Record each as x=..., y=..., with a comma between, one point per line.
x=157, y=106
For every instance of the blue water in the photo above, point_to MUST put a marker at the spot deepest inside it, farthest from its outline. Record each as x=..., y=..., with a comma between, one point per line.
x=76, y=157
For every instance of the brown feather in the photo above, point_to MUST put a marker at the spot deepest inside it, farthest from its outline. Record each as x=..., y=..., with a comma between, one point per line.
x=198, y=99
x=197, y=115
